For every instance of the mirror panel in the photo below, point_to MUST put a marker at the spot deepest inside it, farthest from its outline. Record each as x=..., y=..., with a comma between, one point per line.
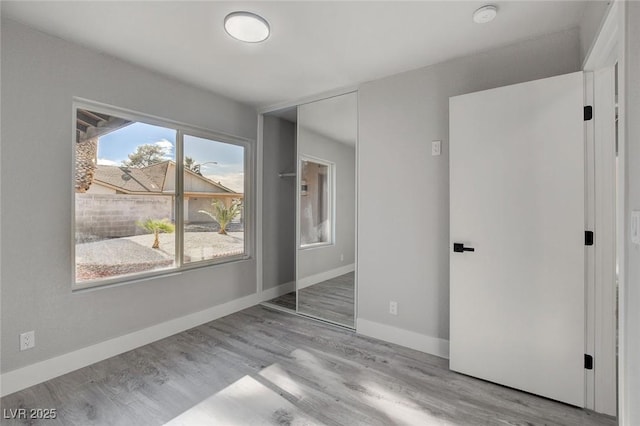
x=326, y=220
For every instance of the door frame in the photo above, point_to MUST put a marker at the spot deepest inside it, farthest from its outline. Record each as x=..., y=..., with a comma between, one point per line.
x=606, y=51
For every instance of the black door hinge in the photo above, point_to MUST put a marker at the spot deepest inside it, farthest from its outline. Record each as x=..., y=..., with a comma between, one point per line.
x=588, y=238
x=588, y=362
x=588, y=113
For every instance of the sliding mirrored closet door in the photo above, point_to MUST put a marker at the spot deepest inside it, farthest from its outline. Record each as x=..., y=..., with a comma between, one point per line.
x=326, y=209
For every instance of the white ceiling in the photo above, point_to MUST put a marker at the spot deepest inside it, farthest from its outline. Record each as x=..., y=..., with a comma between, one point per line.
x=314, y=46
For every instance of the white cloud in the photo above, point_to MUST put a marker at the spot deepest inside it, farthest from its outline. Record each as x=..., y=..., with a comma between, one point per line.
x=234, y=181
x=106, y=162
x=167, y=146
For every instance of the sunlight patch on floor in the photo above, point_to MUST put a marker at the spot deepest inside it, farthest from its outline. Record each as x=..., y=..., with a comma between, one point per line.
x=281, y=378
x=244, y=402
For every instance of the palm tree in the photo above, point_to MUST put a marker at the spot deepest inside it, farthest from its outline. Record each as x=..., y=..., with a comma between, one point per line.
x=223, y=214
x=190, y=164
x=157, y=226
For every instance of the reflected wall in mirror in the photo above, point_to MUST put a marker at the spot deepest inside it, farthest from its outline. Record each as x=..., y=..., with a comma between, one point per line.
x=326, y=145
x=316, y=193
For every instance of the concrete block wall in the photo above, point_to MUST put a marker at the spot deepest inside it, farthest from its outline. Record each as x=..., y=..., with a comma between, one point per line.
x=111, y=216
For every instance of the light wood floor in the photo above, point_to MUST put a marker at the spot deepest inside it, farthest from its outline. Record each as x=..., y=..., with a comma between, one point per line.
x=287, y=301
x=332, y=300
x=261, y=366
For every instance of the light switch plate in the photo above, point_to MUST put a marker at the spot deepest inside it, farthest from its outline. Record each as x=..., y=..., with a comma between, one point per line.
x=436, y=148
x=635, y=227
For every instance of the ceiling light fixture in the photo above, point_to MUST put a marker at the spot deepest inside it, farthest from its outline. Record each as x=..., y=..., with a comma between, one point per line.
x=247, y=27
x=485, y=14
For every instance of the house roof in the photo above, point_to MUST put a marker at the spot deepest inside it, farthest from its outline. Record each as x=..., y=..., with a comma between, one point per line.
x=212, y=182
x=152, y=178
x=126, y=179
x=158, y=172
x=90, y=124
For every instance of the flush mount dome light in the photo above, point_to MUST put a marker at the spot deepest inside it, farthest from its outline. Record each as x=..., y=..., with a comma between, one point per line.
x=247, y=27
x=485, y=14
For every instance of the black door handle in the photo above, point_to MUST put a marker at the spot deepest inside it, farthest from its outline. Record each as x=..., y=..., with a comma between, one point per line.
x=459, y=248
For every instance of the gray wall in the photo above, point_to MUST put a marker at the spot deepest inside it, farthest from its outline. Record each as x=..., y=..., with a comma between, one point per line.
x=632, y=308
x=40, y=75
x=279, y=202
x=325, y=258
x=403, y=212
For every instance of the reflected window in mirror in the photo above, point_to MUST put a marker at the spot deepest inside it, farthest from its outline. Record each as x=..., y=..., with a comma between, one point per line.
x=316, y=202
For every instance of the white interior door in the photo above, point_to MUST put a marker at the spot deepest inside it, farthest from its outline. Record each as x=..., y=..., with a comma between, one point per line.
x=518, y=199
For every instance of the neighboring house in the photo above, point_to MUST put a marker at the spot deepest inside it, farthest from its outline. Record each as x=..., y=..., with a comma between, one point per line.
x=123, y=196
x=159, y=179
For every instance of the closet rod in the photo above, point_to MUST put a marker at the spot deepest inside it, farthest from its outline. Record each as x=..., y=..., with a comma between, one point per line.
x=289, y=174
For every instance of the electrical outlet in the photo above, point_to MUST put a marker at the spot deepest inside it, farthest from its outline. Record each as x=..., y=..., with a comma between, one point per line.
x=436, y=148
x=342, y=257
x=393, y=308
x=27, y=340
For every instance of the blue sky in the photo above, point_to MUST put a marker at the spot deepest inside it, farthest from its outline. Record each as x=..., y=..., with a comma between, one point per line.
x=115, y=147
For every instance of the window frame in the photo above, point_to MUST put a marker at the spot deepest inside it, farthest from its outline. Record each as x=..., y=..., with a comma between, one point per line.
x=331, y=184
x=182, y=130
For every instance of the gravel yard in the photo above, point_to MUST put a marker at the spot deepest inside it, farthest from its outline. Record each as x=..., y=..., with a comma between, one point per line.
x=129, y=255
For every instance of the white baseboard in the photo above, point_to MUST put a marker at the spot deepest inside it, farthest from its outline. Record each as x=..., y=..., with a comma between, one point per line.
x=323, y=276
x=277, y=291
x=22, y=378
x=42, y=371
x=410, y=339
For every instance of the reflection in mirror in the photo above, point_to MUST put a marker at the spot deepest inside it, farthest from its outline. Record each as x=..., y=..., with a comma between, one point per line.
x=315, y=203
x=325, y=273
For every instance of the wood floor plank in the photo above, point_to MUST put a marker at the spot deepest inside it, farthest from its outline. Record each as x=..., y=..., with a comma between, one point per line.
x=331, y=300
x=246, y=401
x=261, y=366
x=287, y=301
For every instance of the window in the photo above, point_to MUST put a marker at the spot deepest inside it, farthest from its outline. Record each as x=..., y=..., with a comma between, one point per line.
x=213, y=199
x=316, y=202
x=152, y=197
